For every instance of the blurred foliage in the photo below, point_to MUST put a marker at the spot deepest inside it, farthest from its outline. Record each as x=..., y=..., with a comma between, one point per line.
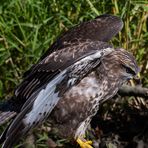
x=29, y=27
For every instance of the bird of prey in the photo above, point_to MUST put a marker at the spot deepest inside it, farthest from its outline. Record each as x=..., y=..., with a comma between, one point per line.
x=67, y=84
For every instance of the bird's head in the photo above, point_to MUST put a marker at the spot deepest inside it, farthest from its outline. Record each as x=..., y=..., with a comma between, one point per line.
x=120, y=64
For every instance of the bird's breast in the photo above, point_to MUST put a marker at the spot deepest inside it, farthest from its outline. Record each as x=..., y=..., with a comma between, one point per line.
x=85, y=90
x=82, y=97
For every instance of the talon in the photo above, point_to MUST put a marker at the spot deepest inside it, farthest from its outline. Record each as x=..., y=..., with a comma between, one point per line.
x=84, y=144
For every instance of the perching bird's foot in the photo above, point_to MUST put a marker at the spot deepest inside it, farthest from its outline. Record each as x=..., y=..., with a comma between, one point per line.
x=84, y=143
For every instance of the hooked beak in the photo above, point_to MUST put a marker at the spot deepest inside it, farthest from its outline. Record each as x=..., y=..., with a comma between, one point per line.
x=137, y=78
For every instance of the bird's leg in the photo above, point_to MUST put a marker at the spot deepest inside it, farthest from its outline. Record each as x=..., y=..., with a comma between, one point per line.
x=80, y=134
x=84, y=143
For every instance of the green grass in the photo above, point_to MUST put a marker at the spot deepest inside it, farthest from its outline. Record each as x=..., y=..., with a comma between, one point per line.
x=29, y=27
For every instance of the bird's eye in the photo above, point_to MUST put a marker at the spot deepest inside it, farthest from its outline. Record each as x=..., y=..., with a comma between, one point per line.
x=129, y=70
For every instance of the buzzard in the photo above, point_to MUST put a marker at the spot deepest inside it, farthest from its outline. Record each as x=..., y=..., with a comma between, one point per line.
x=78, y=72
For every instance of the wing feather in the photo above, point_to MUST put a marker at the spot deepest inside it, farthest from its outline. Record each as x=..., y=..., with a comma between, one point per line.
x=67, y=49
x=43, y=72
x=102, y=28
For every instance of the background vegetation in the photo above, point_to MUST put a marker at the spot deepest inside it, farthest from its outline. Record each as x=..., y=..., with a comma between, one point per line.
x=29, y=27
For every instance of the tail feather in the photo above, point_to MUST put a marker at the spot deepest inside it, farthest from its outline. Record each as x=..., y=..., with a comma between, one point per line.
x=7, y=112
x=6, y=116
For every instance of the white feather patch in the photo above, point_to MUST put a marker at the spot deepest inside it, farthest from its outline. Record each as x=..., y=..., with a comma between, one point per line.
x=45, y=101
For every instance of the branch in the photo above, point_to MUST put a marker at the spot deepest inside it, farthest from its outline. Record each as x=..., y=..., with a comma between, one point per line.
x=136, y=91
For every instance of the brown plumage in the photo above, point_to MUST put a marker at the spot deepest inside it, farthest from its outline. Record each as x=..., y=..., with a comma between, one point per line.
x=71, y=79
